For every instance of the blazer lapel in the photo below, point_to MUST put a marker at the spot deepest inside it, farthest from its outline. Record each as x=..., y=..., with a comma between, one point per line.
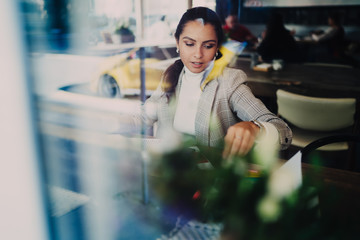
x=203, y=115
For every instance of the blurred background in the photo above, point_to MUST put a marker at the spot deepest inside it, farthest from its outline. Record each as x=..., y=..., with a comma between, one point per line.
x=70, y=70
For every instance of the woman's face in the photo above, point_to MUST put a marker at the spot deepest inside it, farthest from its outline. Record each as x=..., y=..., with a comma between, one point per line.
x=198, y=45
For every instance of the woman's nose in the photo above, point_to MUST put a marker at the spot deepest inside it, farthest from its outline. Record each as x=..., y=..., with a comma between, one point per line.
x=198, y=52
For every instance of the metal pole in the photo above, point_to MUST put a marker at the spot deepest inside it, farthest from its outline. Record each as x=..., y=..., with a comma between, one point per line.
x=140, y=33
x=140, y=37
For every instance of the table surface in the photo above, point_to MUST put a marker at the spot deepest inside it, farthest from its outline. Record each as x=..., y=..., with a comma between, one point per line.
x=310, y=78
x=344, y=179
x=341, y=188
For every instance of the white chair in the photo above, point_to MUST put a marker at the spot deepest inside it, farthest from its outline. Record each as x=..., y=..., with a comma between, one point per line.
x=312, y=118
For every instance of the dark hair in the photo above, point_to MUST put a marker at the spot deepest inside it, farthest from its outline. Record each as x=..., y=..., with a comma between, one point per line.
x=171, y=75
x=275, y=24
x=208, y=15
x=336, y=18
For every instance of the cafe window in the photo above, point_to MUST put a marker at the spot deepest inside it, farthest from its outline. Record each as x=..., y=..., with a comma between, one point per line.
x=84, y=62
x=75, y=72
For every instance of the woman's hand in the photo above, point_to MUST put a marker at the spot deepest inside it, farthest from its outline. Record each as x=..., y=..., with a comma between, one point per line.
x=240, y=138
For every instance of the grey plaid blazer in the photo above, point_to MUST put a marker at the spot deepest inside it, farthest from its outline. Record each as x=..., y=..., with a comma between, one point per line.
x=225, y=101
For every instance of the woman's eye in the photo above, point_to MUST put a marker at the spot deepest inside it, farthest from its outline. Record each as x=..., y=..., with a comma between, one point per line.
x=189, y=44
x=207, y=46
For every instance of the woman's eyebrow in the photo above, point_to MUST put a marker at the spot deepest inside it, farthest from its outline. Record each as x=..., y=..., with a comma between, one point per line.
x=188, y=38
x=207, y=41
x=210, y=41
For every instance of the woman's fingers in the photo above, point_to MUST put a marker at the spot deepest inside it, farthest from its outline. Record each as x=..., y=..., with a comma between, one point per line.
x=229, y=138
x=242, y=143
x=238, y=142
x=239, y=139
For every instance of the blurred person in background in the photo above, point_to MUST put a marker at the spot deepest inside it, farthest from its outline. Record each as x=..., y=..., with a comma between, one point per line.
x=277, y=41
x=236, y=31
x=333, y=37
x=212, y=110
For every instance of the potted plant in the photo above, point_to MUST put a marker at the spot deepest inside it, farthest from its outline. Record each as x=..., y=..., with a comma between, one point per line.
x=124, y=33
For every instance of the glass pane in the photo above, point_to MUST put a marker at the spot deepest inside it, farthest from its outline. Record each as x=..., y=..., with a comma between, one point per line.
x=85, y=61
x=205, y=3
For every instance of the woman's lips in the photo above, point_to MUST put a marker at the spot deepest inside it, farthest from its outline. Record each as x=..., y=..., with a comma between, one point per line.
x=196, y=64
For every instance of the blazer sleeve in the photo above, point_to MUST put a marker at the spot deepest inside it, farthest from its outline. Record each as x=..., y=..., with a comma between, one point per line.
x=247, y=107
x=144, y=121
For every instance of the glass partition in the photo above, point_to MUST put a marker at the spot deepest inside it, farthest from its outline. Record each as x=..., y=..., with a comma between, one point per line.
x=77, y=72
x=92, y=63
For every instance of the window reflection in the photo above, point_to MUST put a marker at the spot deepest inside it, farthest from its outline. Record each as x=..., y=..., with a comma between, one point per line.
x=85, y=59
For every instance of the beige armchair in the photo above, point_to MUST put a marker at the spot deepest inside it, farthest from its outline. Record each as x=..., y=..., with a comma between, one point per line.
x=312, y=118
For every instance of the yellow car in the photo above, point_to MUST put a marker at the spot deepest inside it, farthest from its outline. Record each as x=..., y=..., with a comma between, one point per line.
x=119, y=76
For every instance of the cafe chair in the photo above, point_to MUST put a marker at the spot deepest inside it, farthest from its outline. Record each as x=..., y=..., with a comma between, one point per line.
x=312, y=118
x=349, y=159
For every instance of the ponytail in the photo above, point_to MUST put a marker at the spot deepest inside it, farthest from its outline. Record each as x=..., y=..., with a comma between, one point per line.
x=171, y=78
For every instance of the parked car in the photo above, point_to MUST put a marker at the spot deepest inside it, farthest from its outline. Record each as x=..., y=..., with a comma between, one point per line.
x=119, y=75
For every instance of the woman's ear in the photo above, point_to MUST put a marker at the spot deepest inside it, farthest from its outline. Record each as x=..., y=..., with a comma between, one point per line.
x=218, y=54
x=177, y=47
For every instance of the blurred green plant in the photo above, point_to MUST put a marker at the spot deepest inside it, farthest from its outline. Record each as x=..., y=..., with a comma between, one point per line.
x=253, y=198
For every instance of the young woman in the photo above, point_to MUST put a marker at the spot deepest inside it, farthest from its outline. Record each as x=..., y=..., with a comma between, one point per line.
x=214, y=110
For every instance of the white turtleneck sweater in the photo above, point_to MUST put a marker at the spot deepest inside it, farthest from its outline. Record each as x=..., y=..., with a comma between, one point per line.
x=188, y=100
